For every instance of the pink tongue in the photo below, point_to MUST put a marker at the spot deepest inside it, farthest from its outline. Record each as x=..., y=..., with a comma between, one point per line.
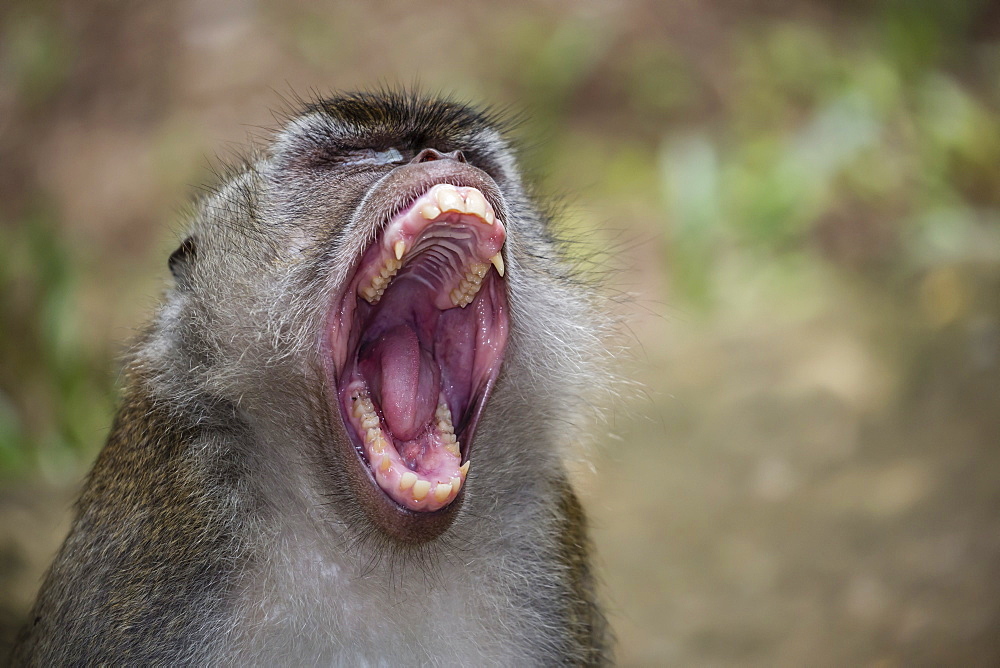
x=405, y=379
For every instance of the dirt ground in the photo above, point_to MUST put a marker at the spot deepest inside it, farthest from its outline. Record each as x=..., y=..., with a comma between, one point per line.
x=796, y=476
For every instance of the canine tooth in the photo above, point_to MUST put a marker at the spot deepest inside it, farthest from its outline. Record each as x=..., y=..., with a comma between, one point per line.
x=399, y=248
x=497, y=261
x=449, y=199
x=384, y=464
x=442, y=491
x=475, y=204
x=407, y=480
x=430, y=212
x=464, y=470
x=420, y=489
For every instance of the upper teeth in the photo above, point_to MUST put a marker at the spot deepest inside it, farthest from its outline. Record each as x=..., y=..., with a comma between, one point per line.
x=497, y=261
x=468, y=287
x=448, y=198
x=373, y=292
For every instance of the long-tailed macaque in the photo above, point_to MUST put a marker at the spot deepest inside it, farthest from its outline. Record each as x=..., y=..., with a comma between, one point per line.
x=341, y=439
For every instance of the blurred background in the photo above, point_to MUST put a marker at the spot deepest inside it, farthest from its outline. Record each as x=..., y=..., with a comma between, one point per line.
x=796, y=207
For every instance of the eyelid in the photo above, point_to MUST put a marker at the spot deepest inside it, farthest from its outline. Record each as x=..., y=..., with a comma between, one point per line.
x=371, y=156
x=391, y=155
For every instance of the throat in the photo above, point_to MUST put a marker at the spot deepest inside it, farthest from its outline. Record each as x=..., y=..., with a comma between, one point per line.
x=403, y=378
x=397, y=358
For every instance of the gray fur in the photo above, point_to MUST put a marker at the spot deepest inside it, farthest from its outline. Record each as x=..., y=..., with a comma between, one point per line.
x=215, y=527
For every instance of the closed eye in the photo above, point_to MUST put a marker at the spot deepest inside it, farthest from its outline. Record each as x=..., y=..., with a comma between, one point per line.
x=368, y=156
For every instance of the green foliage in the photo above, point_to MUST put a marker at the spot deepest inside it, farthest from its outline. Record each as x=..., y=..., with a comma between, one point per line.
x=818, y=129
x=55, y=399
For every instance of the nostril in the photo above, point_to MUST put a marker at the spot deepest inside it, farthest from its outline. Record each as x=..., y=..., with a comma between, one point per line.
x=429, y=154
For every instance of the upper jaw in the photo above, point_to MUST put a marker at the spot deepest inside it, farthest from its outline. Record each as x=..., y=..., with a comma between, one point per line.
x=469, y=220
x=434, y=195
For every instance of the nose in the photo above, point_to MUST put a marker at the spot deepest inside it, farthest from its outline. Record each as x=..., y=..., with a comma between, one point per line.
x=429, y=154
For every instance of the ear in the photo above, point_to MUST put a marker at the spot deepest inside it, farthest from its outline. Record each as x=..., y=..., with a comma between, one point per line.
x=181, y=260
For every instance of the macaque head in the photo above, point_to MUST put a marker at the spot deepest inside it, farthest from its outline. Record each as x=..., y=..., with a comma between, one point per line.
x=355, y=271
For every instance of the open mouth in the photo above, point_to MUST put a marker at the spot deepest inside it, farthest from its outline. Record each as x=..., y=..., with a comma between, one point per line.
x=417, y=342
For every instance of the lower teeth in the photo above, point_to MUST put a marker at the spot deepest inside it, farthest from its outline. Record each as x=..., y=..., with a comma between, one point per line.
x=363, y=411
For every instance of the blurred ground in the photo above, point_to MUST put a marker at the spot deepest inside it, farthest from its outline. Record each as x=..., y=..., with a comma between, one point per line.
x=802, y=206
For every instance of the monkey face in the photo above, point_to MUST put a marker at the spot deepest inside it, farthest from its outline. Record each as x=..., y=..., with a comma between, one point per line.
x=418, y=320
